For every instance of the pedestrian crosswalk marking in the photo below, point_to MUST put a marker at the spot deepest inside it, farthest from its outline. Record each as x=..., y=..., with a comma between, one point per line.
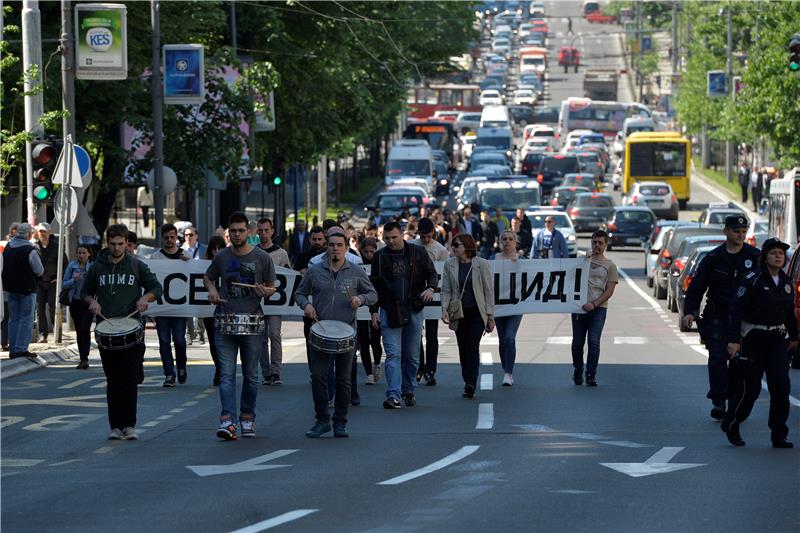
x=630, y=340
x=559, y=340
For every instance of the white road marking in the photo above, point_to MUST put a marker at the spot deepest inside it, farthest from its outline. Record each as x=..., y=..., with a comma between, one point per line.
x=485, y=416
x=658, y=463
x=177, y=410
x=250, y=465
x=486, y=358
x=152, y=424
x=164, y=417
x=7, y=462
x=487, y=381
x=654, y=304
x=189, y=403
x=433, y=467
x=630, y=340
x=559, y=340
x=69, y=401
x=83, y=381
x=276, y=521
x=68, y=461
x=104, y=449
x=490, y=340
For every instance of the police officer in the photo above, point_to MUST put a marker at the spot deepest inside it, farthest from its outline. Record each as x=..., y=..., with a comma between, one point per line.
x=719, y=273
x=761, y=314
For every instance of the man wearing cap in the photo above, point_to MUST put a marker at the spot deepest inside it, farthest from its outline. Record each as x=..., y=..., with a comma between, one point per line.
x=46, y=289
x=719, y=273
x=762, y=313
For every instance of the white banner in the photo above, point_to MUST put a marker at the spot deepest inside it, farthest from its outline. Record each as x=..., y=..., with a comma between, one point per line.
x=521, y=287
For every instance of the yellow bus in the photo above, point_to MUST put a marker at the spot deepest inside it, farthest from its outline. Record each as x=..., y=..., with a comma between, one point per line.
x=659, y=156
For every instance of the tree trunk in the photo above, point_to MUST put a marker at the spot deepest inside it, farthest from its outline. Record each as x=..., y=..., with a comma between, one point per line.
x=355, y=168
x=337, y=177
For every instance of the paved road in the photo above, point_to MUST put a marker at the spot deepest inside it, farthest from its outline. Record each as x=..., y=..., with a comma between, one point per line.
x=541, y=456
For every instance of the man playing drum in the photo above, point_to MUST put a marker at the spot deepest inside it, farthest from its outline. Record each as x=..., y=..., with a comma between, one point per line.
x=113, y=289
x=246, y=274
x=337, y=288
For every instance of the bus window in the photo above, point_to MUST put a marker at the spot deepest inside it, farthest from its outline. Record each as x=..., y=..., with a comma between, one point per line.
x=657, y=159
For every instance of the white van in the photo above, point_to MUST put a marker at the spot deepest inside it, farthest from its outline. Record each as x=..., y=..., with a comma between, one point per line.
x=495, y=116
x=409, y=158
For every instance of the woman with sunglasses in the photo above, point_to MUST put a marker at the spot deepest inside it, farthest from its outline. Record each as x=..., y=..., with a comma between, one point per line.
x=507, y=326
x=468, y=278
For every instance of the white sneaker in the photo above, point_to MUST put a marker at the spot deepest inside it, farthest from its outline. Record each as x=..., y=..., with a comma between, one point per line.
x=376, y=370
x=129, y=434
x=508, y=380
x=115, y=434
x=370, y=380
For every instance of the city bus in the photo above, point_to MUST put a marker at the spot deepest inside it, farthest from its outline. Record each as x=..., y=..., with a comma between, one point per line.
x=441, y=135
x=603, y=117
x=659, y=156
x=424, y=101
x=784, y=203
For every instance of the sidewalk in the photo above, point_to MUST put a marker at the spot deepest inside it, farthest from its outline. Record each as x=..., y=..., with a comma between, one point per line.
x=46, y=354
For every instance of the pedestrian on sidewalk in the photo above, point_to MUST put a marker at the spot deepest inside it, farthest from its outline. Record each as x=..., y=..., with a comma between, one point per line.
x=337, y=288
x=216, y=244
x=762, y=313
x=272, y=351
x=74, y=278
x=468, y=305
x=246, y=275
x=171, y=329
x=144, y=197
x=755, y=188
x=369, y=337
x=22, y=267
x=46, y=288
x=744, y=180
x=113, y=288
x=603, y=279
x=507, y=326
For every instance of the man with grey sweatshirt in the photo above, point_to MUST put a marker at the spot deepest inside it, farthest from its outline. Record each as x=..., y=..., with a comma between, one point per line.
x=337, y=288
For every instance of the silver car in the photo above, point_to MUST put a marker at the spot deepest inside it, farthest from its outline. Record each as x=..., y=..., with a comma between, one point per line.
x=657, y=195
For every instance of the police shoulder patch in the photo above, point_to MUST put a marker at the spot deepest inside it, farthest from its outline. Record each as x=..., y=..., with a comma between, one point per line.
x=748, y=263
x=787, y=288
x=741, y=292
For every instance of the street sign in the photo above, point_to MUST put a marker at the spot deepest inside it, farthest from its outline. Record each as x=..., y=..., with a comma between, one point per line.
x=717, y=83
x=647, y=43
x=81, y=175
x=71, y=204
x=170, y=181
x=84, y=165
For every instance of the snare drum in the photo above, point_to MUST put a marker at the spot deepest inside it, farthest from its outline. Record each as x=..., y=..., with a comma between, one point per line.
x=332, y=336
x=118, y=333
x=240, y=324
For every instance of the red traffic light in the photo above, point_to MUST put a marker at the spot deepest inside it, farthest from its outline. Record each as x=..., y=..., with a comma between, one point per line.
x=44, y=153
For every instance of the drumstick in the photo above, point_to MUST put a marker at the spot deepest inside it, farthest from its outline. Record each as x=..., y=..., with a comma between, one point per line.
x=247, y=285
x=133, y=313
x=101, y=316
x=320, y=324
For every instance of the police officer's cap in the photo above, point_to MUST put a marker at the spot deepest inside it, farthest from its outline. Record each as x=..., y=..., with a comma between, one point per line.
x=773, y=243
x=736, y=222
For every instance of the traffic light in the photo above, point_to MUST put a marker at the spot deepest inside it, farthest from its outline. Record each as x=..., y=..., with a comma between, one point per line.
x=45, y=154
x=277, y=172
x=277, y=181
x=794, y=53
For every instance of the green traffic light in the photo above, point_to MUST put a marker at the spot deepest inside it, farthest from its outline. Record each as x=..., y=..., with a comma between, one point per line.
x=277, y=180
x=41, y=193
x=794, y=67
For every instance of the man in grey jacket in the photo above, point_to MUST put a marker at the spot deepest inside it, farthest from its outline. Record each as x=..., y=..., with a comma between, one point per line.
x=338, y=288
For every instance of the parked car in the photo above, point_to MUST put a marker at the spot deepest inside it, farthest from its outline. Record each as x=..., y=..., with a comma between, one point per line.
x=562, y=223
x=670, y=248
x=653, y=246
x=679, y=263
x=589, y=211
x=685, y=279
x=657, y=195
x=563, y=195
x=629, y=226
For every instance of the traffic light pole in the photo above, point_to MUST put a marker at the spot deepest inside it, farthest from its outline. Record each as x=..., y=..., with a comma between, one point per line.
x=34, y=101
x=66, y=188
x=158, y=117
x=729, y=148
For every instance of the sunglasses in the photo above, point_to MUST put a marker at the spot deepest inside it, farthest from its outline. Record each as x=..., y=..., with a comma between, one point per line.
x=508, y=239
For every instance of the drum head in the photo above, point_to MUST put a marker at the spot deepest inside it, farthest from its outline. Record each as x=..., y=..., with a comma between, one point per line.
x=333, y=329
x=114, y=326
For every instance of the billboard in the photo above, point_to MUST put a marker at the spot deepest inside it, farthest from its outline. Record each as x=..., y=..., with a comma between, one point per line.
x=184, y=74
x=717, y=83
x=101, y=44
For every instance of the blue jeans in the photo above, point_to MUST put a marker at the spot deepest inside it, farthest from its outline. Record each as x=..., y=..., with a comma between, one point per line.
x=249, y=347
x=590, y=324
x=402, y=354
x=507, y=327
x=20, y=321
x=171, y=329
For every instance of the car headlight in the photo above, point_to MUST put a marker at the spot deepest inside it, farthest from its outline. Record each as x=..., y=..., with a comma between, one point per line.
x=572, y=238
x=443, y=182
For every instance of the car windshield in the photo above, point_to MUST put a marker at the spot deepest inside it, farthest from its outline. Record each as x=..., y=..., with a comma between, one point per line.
x=578, y=180
x=503, y=143
x=544, y=133
x=399, y=201
x=593, y=201
x=560, y=219
x=587, y=158
x=634, y=216
x=408, y=167
x=654, y=190
x=510, y=198
x=561, y=164
x=487, y=159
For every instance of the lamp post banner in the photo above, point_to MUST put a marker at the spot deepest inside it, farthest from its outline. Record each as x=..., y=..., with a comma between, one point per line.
x=520, y=287
x=101, y=42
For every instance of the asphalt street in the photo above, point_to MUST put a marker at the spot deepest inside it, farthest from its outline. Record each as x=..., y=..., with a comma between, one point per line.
x=638, y=453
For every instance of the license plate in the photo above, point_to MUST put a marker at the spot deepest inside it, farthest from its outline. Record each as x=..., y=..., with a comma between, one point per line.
x=632, y=240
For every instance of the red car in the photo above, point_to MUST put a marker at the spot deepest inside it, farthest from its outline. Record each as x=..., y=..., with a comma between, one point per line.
x=596, y=17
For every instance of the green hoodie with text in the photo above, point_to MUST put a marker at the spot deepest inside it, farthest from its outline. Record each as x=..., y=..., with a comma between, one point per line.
x=118, y=286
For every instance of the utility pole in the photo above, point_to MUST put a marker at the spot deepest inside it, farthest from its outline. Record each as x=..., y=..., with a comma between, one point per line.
x=675, y=46
x=158, y=116
x=67, y=69
x=729, y=146
x=639, y=31
x=34, y=103
x=322, y=188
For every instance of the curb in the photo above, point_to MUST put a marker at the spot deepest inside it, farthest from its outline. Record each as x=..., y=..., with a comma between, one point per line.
x=22, y=365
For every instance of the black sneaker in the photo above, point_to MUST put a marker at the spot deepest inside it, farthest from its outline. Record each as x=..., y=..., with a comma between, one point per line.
x=590, y=380
x=392, y=403
x=340, y=431
x=430, y=380
x=181, y=375
x=718, y=411
x=469, y=392
x=169, y=381
x=266, y=381
x=275, y=379
x=783, y=443
x=410, y=400
x=83, y=365
x=577, y=376
x=318, y=430
x=732, y=432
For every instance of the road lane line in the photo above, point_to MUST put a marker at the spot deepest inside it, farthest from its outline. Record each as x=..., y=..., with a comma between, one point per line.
x=104, y=449
x=630, y=340
x=433, y=467
x=152, y=424
x=486, y=358
x=276, y=521
x=487, y=381
x=696, y=347
x=164, y=417
x=189, y=403
x=558, y=340
x=177, y=410
x=485, y=416
x=6, y=462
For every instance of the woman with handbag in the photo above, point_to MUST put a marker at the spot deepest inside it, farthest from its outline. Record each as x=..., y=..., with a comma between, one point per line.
x=70, y=295
x=507, y=326
x=468, y=305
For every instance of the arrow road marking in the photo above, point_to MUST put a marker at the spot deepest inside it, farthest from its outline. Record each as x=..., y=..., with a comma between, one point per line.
x=438, y=465
x=658, y=463
x=276, y=521
x=251, y=465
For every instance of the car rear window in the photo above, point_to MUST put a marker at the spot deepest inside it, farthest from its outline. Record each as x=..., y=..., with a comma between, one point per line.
x=634, y=216
x=559, y=164
x=654, y=190
x=719, y=217
x=593, y=201
x=544, y=133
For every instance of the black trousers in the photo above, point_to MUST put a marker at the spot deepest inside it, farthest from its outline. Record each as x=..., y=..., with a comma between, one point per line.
x=121, y=368
x=766, y=352
x=320, y=363
x=369, y=338
x=428, y=359
x=4, y=325
x=715, y=334
x=208, y=323
x=45, y=301
x=82, y=318
x=469, y=333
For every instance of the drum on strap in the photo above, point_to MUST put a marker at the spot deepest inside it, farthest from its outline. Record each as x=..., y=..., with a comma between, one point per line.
x=240, y=324
x=332, y=336
x=118, y=333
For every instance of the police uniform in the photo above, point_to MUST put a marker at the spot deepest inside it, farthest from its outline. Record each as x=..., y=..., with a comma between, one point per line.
x=719, y=273
x=761, y=314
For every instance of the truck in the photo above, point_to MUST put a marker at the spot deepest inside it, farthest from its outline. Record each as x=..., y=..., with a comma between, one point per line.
x=600, y=84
